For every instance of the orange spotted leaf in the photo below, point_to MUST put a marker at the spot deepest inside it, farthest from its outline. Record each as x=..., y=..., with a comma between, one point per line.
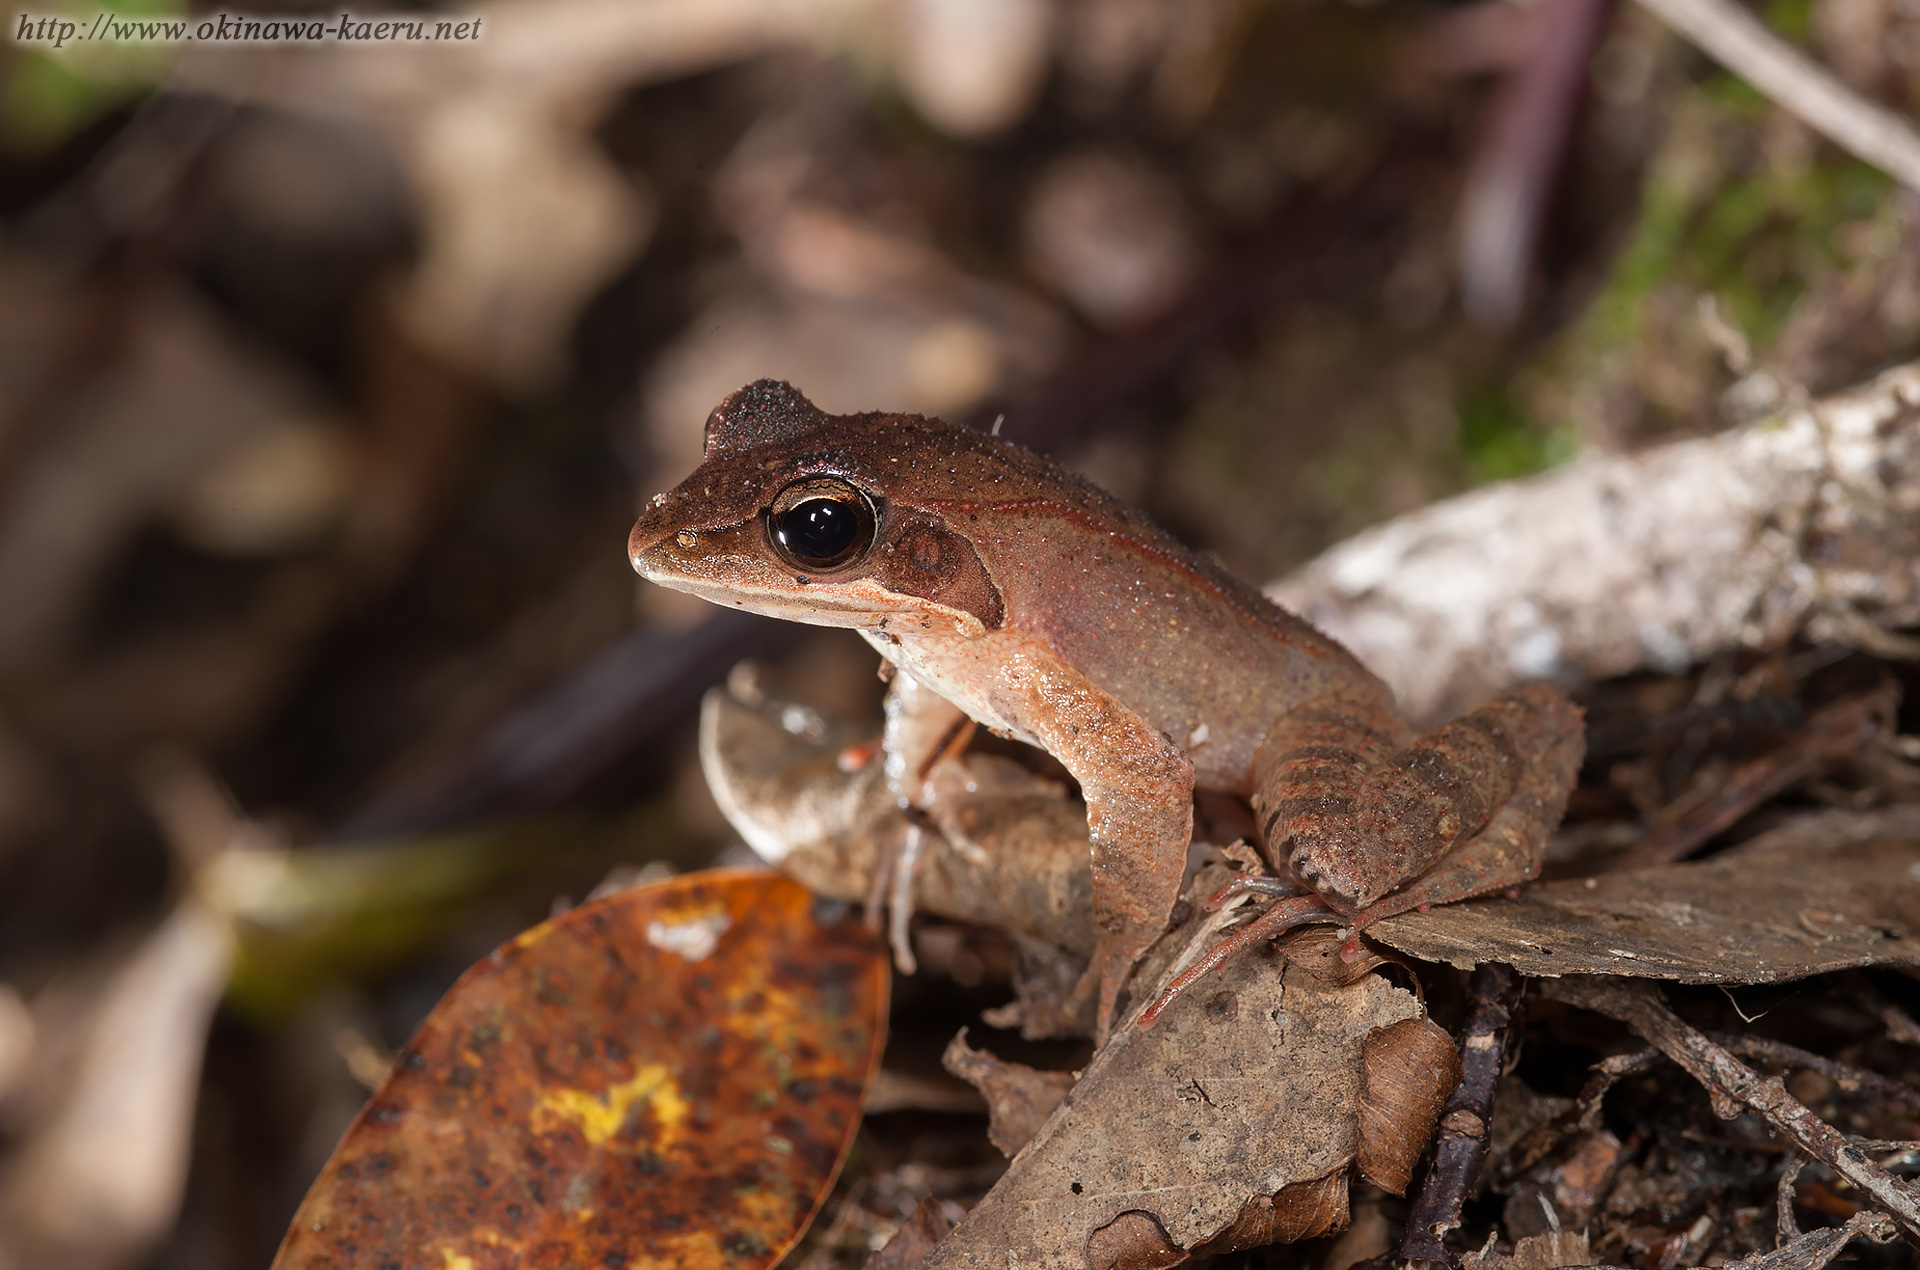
x=670, y=1076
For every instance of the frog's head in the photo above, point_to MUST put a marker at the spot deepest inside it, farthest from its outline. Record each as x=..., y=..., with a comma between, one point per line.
x=834, y=520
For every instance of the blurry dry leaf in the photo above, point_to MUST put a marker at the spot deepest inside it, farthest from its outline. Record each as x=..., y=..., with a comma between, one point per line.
x=1407, y=1071
x=276, y=491
x=525, y=220
x=973, y=67
x=178, y=397
x=1247, y=1086
x=671, y=1075
x=525, y=216
x=16, y=1040
x=1839, y=890
x=1019, y=1098
x=100, y=1176
x=1110, y=232
x=916, y=1237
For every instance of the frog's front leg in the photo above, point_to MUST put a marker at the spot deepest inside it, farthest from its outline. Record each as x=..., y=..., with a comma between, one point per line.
x=1464, y=809
x=922, y=729
x=1138, y=787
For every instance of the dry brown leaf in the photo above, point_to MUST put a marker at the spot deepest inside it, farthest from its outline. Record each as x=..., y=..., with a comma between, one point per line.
x=1407, y=1071
x=1299, y=1211
x=670, y=1075
x=1836, y=892
x=1535, y=1252
x=1134, y=1240
x=100, y=1176
x=916, y=1238
x=1019, y=1098
x=1240, y=1092
x=1012, y=848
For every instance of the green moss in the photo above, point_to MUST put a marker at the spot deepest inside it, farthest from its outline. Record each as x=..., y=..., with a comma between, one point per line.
x=49, y=94
x=1497, y=442
x=1659, y=237
x=1791, y=18
x=1756, y=240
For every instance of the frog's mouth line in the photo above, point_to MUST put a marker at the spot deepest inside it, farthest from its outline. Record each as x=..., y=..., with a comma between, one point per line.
x=823, y=605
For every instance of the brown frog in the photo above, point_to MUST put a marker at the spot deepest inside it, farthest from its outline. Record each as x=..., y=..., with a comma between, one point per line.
x=1006, y=590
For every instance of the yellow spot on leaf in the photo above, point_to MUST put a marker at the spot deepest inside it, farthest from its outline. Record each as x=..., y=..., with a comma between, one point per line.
x=455, y=1260
x=600, y=1116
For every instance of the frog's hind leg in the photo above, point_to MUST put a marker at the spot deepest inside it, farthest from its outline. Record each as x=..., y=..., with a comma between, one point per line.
x=1358, y=818
x=1536, y=730
x=1512, y=846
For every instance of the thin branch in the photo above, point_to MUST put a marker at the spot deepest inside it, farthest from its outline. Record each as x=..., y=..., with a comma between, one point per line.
x=1851, y=1079
x=1732, y=36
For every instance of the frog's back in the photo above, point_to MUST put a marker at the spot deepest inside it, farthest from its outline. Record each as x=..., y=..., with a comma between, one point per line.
x=1201, y=654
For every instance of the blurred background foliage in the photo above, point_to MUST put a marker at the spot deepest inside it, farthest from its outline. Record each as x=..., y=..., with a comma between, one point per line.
x=330, y=378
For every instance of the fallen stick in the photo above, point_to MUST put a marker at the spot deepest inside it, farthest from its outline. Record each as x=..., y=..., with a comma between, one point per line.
x=1800, y=527
x=1460, y=1146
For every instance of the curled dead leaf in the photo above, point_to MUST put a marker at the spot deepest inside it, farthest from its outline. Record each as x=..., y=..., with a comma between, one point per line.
x=1134, y=1240
x=1292, y=1213
x=1019, y=1098
x=1316, y=950
x=1407, y=1070
x=594, y=1093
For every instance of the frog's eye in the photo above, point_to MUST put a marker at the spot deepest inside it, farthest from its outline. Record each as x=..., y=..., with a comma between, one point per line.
x=820, y=523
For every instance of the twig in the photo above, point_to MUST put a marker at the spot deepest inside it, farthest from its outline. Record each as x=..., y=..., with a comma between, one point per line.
x=1739, y=41
x=1785, y=1227
x=1461, y=1144
x=1900, y=1026
x=1605, y=1074
x=1846, y=1075
x=1504, y=206
x=1837, y=732
x=1731, y=1084
x=1810, y=1251
x=1817, y=1247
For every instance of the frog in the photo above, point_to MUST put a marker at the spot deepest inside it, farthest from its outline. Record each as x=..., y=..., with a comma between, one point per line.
x=1006, y=591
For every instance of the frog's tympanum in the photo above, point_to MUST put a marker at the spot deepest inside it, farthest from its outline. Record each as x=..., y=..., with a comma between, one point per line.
x=1006, y=590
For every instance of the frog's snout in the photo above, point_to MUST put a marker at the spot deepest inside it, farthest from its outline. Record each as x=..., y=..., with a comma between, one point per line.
x=651, y=532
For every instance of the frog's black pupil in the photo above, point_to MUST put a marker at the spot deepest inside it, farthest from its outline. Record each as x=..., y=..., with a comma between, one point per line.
x=820, y=531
